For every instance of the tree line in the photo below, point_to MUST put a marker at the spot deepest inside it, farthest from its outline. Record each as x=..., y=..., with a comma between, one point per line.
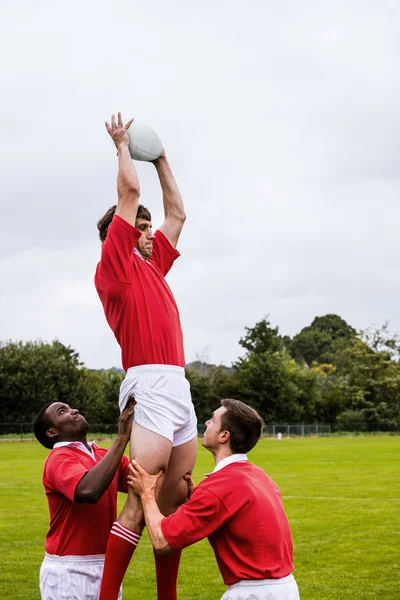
x=327, y=373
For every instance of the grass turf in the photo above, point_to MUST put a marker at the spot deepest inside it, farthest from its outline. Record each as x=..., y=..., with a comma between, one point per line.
x=342, y=497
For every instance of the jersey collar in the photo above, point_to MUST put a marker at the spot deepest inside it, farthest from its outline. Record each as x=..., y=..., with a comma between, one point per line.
x=79, y=446
x=228, y=461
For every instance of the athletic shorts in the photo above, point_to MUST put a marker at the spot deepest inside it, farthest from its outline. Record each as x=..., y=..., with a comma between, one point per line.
x=71, y=577
x=163, y=401
x=264, y=589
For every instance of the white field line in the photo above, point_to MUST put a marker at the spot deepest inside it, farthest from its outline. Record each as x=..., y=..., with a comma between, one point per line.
x=340, y=498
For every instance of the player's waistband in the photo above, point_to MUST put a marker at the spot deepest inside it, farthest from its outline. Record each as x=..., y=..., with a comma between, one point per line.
x=259, y=582
x=161, y=369
x=92, y=559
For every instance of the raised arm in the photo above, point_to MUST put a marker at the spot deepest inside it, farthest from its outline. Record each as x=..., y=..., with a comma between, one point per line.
x=95, y=482
x=174, y=212
x=128, y=182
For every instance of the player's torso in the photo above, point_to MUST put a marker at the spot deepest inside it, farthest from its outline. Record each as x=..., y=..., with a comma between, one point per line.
x=81, y=528
x=258, y=533
x=144, y=317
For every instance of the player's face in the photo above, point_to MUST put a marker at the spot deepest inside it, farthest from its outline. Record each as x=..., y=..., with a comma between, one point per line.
x=213, y=429
x=145, y=242
x=67, y=422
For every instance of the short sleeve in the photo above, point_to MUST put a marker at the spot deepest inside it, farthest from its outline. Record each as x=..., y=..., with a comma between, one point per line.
x=164, y=254
x=203, y=514
x=63, y=472
x=123, y=475
x=117, y=248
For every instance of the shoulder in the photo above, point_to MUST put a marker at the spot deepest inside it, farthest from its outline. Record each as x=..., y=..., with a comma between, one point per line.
x=161, y=242
x=233, y=476
x=119, y=224
x=58, y=456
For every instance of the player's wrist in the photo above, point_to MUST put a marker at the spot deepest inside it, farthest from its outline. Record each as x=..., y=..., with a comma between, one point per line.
x=120, y=144
x=147, y=496
x=122, y=439
x=162, y=159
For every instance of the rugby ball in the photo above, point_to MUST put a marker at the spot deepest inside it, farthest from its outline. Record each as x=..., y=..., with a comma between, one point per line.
x=144, y=143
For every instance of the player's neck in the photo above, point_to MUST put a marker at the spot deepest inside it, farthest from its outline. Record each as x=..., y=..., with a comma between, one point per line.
x=221, y=453
x=83, y=441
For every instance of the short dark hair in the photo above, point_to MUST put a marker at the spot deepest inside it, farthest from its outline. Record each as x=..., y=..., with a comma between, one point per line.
x=103, y=224
x=243, y=423
x=41, y=424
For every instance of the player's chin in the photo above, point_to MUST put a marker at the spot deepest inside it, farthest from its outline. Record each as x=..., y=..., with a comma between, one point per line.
x=147, y=252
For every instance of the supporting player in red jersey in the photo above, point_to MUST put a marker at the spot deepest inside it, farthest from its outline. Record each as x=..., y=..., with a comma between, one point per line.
x=238, y=507
x=81, y=482
x=142, y=313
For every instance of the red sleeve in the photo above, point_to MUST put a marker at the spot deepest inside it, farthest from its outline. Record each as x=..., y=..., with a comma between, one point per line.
x=117, y=248
x=63, y=472
x=164, y=254
x=123, y=475
x=203, y=514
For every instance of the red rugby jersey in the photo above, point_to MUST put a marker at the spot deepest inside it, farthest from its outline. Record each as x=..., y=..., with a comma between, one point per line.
x=240, y=510
x=137, y=302
x=79, y=528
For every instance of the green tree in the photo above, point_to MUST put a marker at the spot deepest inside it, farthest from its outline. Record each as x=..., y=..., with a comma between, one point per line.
x=208, y=387
x=322, y=340
x=268, y=378
x=370, y=378
x=34, y=373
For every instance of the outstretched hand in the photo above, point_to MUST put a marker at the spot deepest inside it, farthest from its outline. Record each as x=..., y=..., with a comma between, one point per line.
x=118, y=130
x=126, y=417
x=140, y=481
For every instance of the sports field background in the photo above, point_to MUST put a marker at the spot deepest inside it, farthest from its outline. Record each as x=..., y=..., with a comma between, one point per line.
x=342, y=496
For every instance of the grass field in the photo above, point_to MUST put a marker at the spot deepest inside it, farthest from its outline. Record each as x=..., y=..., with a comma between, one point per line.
x=342, y=496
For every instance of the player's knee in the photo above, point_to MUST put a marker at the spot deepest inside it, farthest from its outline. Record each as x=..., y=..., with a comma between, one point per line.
x=171, y=499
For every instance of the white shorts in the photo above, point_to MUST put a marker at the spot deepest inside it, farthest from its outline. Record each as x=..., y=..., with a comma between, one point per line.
x=264, y=589
x=163, y=401
x=71, y=577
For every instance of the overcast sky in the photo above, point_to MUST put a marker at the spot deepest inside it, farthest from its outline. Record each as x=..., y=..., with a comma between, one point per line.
x=281, y=123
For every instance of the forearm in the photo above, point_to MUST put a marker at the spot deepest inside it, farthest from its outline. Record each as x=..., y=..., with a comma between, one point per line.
x=95, y=482
x=153, y=518
x=172, y=199
x=128, y=186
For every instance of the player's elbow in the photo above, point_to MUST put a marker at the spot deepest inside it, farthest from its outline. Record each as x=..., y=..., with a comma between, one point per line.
x=162, y=547
x=129, y=191
x=176, y=217
x=181, y=217
x=87, y=495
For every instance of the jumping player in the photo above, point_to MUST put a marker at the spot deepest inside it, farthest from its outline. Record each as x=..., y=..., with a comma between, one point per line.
x=143, y=315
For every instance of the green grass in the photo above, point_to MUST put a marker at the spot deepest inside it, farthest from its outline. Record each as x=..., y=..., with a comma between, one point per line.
x=342, y=497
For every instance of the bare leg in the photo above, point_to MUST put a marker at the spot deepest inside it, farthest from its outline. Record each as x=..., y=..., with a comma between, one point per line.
x=174, y=491
x=152, y=451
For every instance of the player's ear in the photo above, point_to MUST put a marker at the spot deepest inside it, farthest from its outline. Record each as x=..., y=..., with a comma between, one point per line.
x=52, y=433
x=225, y=436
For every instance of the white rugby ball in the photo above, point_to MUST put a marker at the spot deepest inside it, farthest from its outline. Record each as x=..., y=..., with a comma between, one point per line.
x=144, y=143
